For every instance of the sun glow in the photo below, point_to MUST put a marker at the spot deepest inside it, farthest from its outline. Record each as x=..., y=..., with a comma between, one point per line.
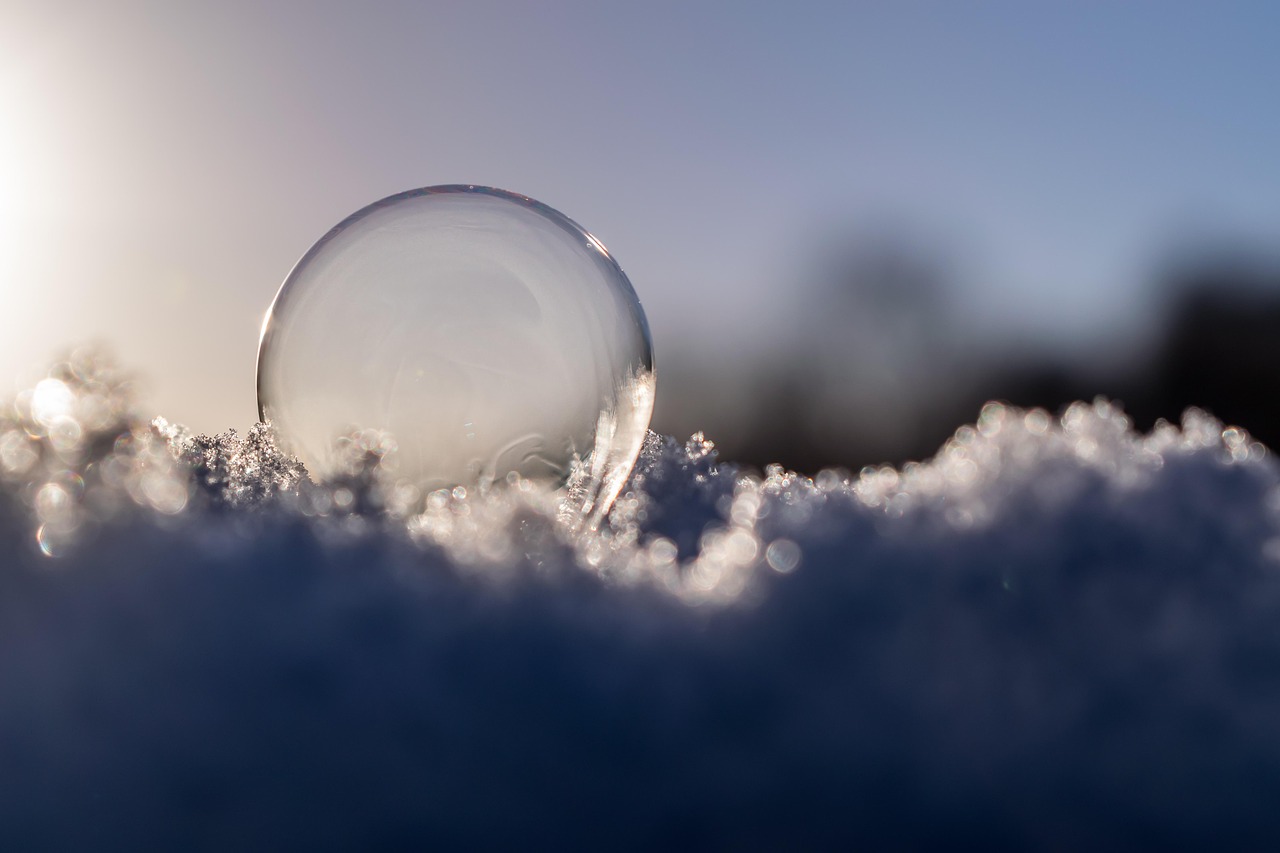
x=21, y=205
x=14, y=181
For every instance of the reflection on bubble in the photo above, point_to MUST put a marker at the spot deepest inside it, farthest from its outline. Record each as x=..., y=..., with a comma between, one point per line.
x=483, y=331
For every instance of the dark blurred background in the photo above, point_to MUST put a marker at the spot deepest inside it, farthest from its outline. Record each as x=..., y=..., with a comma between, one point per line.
x=871, y=365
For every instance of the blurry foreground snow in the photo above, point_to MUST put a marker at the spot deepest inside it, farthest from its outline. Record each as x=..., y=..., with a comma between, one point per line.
x=1055, y=633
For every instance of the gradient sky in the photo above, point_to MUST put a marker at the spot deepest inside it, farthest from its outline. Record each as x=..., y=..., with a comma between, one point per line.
x=162, y=168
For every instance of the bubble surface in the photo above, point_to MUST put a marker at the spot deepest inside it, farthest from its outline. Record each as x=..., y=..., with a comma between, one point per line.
x=485, y=332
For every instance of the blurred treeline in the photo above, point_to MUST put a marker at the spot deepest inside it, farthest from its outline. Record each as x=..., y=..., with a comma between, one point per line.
x=875, y=369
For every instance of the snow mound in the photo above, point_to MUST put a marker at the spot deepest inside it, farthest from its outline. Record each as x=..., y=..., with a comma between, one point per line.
x=1057, y=632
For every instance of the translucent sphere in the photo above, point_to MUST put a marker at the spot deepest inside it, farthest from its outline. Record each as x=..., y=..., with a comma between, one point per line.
x=484, y=331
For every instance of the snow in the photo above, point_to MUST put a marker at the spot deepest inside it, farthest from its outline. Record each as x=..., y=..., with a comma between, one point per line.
x=1057, y=632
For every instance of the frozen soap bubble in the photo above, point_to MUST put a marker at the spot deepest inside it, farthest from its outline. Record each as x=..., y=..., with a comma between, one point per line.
x=486, y=332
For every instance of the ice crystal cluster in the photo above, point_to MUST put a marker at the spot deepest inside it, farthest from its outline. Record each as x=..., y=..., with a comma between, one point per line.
x=1056, y=633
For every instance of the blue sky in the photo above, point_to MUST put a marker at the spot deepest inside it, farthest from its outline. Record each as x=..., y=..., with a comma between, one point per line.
x=161, y=169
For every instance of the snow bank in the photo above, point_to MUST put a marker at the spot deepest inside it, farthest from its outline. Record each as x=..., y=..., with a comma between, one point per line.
x=1055, y=633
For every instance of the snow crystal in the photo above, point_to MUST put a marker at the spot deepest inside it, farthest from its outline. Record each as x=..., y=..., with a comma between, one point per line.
x=1056, y=632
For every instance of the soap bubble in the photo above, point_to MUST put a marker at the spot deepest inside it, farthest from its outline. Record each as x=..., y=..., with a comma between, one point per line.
x=484, y=331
